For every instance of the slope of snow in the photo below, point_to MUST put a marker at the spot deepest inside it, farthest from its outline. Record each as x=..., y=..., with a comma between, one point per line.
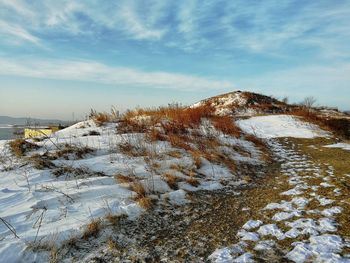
x=274, y=126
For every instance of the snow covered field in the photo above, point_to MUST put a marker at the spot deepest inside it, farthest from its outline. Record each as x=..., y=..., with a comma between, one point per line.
x=276, y=126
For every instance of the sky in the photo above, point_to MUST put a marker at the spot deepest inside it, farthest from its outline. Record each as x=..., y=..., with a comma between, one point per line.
x=59, y=59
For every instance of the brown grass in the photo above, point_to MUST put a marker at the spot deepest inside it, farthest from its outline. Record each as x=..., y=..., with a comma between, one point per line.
x=101, y=118
x=141, y=198
x=192, y=181
x=138, y=188
x=145, y=202
x=171, y=180
x=178, y=141
x=197, y=158
x=226, y=125
x=19, y=147
x=123, y=179
x=92, y=229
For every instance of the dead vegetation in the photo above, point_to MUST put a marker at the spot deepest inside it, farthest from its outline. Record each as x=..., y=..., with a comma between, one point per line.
x=20, y=147
x=75, y=172
x=71, y=151
x=92, y=229
x=141, y=195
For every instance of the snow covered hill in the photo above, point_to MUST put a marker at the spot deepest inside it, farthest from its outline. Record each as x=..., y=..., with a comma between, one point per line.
x=244, y=103
x=61, y=197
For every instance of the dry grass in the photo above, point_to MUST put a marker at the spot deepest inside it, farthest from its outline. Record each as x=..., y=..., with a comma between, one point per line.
x=40, y=162
x=101, y=118
x=171, y=180
x=123, y=179
x=19, y=147
x=178, y=141
x=92, y=229
x=197, y=158
x=141, y=198
x=70, y=151
x=145, y=202
x=114, y=219
x=226, y=125
x=192, y=181
x=138, y=188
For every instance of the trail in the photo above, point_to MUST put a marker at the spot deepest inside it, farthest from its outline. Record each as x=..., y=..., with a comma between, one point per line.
x=301, y=224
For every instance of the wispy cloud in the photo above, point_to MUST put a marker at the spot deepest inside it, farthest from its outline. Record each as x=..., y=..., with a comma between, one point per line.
x=12, y=33
x=252, y=26
x=91, y=71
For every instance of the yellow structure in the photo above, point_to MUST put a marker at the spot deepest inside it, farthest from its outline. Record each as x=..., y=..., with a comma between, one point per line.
x=31, y=133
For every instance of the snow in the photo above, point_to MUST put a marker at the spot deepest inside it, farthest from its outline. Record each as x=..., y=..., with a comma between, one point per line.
x=344, y=146
x=251, y=224
x=275, y=126
x=271, y=230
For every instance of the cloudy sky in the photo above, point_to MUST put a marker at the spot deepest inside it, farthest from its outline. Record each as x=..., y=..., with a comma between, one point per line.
x=62, y=57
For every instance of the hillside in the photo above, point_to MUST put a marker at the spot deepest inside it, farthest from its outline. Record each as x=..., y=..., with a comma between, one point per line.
x=245, y=103
x=175, y=184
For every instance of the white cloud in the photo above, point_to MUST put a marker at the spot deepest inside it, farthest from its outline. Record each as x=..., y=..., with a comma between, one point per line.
x=91, y=71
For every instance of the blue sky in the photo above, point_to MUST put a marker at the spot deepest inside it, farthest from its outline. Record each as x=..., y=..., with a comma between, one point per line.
x=61, y=57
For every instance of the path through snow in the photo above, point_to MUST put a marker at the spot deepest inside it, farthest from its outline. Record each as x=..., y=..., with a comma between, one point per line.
x=299, y=231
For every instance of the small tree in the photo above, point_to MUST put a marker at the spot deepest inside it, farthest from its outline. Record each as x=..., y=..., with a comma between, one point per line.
x=309, y=102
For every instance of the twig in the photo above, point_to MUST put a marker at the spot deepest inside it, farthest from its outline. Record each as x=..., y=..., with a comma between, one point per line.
x=10, y=227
